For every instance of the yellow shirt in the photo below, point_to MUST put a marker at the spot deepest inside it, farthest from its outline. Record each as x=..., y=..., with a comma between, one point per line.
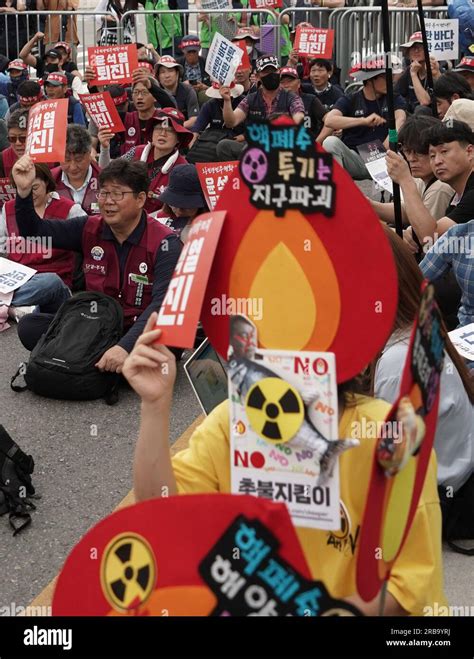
x=416, y=580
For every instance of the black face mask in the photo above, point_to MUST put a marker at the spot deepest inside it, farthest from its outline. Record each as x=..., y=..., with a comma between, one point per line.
x=271, y=81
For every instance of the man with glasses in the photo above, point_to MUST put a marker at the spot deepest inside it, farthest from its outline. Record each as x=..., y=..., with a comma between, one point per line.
x=77, y=176
x=17, y=129
x=126, y=253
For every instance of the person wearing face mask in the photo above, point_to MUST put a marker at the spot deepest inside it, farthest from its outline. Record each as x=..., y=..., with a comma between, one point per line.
x=161, y=154
x=18, y=72
x=269, y=100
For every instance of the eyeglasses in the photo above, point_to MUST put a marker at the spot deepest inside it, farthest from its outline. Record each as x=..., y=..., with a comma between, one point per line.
x=141, y=92
x=115, y=195
x=164, y=129
x=17, y=138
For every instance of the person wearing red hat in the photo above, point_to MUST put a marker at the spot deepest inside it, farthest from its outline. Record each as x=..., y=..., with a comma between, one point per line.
x=29, y=93
x=169, y=73
x=160, y=155
x=194, y=67
x=18, y=72
x=466, y=69
x=413, y=83
x=55, y=87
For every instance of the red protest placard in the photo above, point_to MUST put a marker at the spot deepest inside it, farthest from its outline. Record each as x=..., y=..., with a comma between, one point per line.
x=7, y=191
x=101, y=109
x=181, y=308
x=113, y=64
x=47, y=124
x=314, y=42
x=265, y=4
x=245, y=61
x=213, y=176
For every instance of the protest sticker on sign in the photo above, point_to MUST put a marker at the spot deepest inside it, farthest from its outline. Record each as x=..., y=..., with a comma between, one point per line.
x=223, y=59
x=47, y=125
x=179, y=313
x=101, y=109
x=7, y=191
x=266, y=4
x=373, y=155
x=113, y=64
x=13, y=275
x=463, y=340
x=442, y=36
x=314, y=42
x=213, y=177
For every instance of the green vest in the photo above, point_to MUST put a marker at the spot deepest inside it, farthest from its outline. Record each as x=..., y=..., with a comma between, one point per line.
x=163, y=28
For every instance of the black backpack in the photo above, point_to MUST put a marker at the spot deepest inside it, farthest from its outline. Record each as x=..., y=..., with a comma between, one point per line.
x=458, y=516
x=15, y=482
x=62, y=364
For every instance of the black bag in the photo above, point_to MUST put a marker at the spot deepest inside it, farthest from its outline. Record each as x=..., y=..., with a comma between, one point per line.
x=458, y=516
x=62, y=364
x=204, y=148
x=15, y=482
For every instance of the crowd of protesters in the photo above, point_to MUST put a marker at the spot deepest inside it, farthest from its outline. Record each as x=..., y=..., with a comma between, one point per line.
x=123, y=199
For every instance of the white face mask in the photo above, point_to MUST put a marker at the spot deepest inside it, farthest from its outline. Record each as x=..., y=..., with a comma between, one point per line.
x=249, y=49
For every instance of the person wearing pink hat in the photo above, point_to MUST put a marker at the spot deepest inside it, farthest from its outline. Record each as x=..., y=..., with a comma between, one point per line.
x=413, y=83
x=169, y=74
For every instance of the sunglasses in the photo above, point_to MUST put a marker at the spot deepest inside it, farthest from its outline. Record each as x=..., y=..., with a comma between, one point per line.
x=17, y=138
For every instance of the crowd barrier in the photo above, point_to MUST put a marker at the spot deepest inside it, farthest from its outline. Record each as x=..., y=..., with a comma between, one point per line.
x=358, y=30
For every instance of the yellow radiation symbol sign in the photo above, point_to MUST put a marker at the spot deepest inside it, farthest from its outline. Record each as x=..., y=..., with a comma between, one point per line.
x=274, y=409
x=127, y=571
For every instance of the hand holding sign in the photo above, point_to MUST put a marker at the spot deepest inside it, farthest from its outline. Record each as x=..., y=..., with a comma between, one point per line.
x=47, y=125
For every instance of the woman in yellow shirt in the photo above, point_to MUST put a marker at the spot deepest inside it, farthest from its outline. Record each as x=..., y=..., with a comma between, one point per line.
x=416, y=580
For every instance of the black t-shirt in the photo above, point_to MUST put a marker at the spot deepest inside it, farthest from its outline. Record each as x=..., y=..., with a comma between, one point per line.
x=357, y=105
x=464, y=211
x=405, y=88
x=68, y=68
x=328, y=97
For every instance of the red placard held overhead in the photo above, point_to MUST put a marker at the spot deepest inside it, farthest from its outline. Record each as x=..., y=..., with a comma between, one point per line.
x=47, y=124
x=113, y=64
x=181, y=307
x=314, y=42
x=101, y=109
x=213, y=177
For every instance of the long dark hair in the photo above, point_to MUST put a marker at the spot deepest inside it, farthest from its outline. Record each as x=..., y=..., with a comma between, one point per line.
x=410, y=279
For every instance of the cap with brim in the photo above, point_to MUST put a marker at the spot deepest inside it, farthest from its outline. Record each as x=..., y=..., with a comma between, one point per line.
x=56, y=79
x=416, y=37
x=267, y=61
x=17, y=65
x=245, y=34
x=289, y=71
x=190, y=43
x=52, y=53
x=466, y=64
x=119, y=94
x=176, y=119
x=169, y=63
x=370, y=68
x=184, y=189
x=235, y=90
x=461, y=109
x=63, y=44
x=146, y=64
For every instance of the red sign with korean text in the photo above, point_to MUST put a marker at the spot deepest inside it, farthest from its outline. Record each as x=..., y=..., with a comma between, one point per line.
x=101, y=109
x=46, y=137
x=181, y=307
x=213, y=176
x=113, y=64
x=245, y=61
x=265, y=4
x=314, y=42
x=7, y=191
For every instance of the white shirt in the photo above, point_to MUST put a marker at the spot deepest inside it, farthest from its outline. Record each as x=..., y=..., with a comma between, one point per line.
x=78, y=194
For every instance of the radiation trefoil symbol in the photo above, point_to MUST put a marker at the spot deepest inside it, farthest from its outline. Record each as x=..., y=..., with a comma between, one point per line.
x=274, y=409
x=128, y=571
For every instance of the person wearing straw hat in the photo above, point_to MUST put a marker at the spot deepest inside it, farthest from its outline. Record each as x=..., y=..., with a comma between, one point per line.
x=362, y=117
x=413, y=83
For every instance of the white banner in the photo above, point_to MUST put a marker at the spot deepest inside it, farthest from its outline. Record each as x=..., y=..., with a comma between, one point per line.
x=442, y=36
x=223, y=60
x=13, y=275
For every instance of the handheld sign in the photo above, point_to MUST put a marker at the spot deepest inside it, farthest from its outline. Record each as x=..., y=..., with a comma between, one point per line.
x=181, y=306
x=13, y=275
x=213, y=177
x=47, y=126
x=7, y=191
x=442, y=36
x=373, y=154
x=113, y=64
x=266, y=4
x=223, y=59
x=314, y=42
x=101, y=109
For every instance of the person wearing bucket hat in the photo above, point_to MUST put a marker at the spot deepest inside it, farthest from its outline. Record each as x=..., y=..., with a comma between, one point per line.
x=466, y=69
x=182, y=200
x=168, y=73
x=362, y=117
x=161, y=154
x=55, y=87
x=194, y=66
x=413, y=83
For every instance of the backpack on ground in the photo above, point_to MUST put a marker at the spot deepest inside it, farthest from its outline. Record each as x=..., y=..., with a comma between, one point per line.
x=62, y=364
x=15, y=482
x=458, y=517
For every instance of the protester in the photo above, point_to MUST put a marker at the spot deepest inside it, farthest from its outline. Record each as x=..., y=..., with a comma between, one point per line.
x=17, y=131
x=413, y=84
x=29, y=93
x=205, y=467
x=169, y=73
x=247, y=38
x=461, y=109
x=362, y=118
x=455, y=426
x=466, y=69
x=182, y=200
x=77, y=176
x=435, y=194
x=449, y=87
x=320, y=72
x=55, y=88
x=59, y=55
x=194, y=67
x=116, y=245
x=121, y=101
x=160, y=155
x=18, y=72
x=315, y=111
x=455, y=250
x=268, y=100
